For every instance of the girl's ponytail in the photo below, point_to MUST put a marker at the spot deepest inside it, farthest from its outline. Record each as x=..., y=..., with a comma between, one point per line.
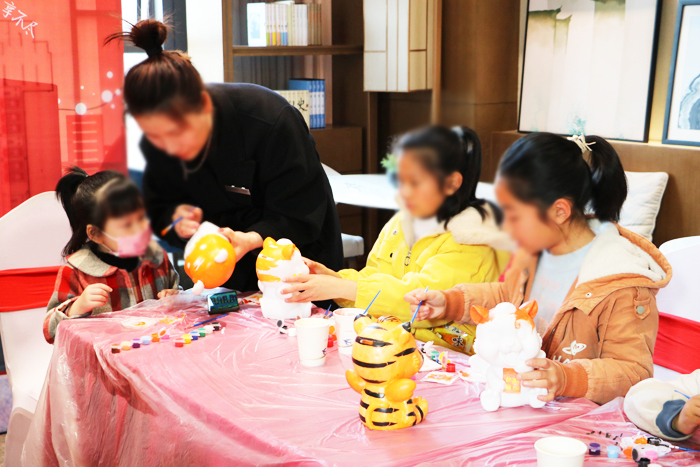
x=66, y=188
x=470, y=168
x=541, y=168
x=91, y=199
x=608, y=181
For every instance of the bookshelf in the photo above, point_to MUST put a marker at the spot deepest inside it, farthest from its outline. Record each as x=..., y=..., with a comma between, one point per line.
x=348, y=143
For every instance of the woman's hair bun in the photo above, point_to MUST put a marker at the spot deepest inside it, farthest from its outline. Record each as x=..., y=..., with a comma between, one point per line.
x=148, y=34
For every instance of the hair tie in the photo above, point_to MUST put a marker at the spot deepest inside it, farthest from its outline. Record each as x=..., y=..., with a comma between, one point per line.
x=580, y=141
x=458, y=131
x=154, y=51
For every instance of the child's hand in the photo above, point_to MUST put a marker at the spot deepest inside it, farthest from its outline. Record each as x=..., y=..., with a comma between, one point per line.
x=314, y=287
x=433, y=303
x=168, y=292
x=93, y=296
x=547, y=374
x=191, y=218
x=318, y=268
x=689, y=418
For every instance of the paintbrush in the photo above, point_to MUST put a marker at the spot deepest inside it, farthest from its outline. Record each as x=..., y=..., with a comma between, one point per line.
x=172, y=224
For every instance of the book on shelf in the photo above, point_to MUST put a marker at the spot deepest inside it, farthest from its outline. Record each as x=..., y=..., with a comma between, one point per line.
x=300, y=100
x=284, y=23
x=317, y=97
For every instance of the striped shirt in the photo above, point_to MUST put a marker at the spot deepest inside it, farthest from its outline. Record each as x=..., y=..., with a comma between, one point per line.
x=153, y=274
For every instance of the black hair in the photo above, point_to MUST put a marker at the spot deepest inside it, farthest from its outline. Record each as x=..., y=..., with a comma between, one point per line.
x=541, y=168
x=92, y=199
x=444, y=151
x=166, y=81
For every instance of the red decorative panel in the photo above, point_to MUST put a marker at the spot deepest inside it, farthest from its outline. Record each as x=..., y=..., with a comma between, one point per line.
x=60, y=91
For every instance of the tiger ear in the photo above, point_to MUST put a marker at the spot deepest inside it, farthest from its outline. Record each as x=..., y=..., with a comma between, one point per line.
x=479, y=314
x=401, y=335
x=288, y=251
x=530, y=308
x=361, y=322
x=268, y=242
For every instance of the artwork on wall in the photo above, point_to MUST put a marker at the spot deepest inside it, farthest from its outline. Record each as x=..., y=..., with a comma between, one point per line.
x=588, y=67
x=682, y=123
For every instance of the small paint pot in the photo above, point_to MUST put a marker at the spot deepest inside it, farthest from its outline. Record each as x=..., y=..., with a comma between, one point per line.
x=179, y=342
x=450, y=368
x=594, y=449
x=202, y=332
x=613, y=451
x=146, y=340
x=126, y=345
x=115, y=348
x=165, y=337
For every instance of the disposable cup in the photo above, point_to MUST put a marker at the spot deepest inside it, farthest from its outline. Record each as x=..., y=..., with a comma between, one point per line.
x=560, y=451
x=345, y=328
x=312, y=338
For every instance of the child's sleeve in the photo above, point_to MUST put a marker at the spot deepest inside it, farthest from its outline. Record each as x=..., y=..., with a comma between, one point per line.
x=653, y=404
x=460, y=298
x=372, y=267
x=452, y=264
x=66, y=291
x=626, y=357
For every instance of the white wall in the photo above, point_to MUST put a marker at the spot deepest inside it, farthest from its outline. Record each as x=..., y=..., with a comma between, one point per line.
x=205, y=44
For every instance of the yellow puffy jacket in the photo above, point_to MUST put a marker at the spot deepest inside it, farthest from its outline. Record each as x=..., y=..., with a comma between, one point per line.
x=469, y=250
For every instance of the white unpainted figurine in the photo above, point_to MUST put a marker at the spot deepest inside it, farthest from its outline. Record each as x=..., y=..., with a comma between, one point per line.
x=506, y=338
x=277, y=261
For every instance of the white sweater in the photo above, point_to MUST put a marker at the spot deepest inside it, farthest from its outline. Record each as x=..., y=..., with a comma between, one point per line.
x=653, y=404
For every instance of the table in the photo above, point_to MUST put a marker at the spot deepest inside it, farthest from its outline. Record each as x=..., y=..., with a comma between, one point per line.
x=240, y=397
x=376, y=191
x=366, y=190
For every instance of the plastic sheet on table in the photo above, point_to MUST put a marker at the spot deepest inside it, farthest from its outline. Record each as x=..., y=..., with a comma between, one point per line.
x=518, y=450
x=238, y=397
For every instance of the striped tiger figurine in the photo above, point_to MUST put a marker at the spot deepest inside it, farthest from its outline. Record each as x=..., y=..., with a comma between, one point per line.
x=384, y=357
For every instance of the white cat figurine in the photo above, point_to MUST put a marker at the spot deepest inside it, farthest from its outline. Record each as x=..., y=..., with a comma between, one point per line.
x=506, y=338
x=277, y=261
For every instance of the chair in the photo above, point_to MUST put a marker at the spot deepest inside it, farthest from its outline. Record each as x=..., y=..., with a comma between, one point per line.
x=679, y=297
x=33, y=234
x=353, y=245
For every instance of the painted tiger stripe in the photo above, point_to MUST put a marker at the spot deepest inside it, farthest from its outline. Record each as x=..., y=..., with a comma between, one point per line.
x=411, y=414
x=386, y=410
x=368, y=341
x=364, y=404
x=405, y=352
x=383, y=423
x=363, y=419
x=421, y=412
x=373, y=381
x=372, y=365
x=376, y=395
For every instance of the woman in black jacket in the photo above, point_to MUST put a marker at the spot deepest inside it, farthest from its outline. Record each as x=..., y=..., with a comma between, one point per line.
x=237, y=155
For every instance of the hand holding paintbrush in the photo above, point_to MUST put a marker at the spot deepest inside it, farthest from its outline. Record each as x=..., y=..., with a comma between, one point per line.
x=186, y=221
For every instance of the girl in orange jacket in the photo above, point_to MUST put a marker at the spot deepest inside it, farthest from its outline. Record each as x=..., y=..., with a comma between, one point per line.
x=595, y=282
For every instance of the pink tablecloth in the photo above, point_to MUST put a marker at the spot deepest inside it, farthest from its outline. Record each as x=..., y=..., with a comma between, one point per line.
x=239, y=397
x=518, y=450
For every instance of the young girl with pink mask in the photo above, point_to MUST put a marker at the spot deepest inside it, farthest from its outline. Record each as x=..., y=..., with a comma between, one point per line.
x=111, y=262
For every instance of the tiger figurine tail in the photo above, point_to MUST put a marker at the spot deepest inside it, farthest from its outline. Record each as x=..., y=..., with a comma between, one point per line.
x=385, y=357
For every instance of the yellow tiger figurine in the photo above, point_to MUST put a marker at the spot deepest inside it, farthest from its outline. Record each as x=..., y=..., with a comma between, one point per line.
x=385, y=356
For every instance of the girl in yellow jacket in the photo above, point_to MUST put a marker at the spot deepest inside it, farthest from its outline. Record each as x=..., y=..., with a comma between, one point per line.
x=442, y=236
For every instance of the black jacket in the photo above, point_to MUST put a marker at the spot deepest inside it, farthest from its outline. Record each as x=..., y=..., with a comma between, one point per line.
x=259, y=143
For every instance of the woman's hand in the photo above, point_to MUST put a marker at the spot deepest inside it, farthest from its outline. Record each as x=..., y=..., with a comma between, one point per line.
x=689, y=419
x=168, y=292
x=314, y=287
x=242, y=242
x=433, y=303
x=547, y=374
x=318, y=268
x=191, y=218
x=93, y=296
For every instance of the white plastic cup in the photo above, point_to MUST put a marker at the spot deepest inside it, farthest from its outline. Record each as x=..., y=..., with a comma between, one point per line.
x=560, y=451
x=345, y=328
x=312, y=338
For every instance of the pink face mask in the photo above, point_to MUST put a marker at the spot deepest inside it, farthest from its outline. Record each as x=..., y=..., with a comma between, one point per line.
x=130, y=246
